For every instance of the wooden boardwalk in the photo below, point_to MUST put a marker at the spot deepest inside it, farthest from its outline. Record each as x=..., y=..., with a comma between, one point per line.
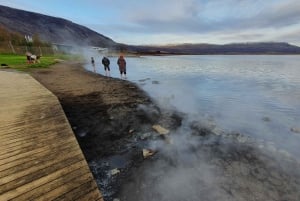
x=40, y=158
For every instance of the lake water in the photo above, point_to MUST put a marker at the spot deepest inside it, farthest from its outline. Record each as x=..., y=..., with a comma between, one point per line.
x=257, y=96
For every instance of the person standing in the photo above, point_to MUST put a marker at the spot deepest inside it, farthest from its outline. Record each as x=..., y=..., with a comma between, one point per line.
x=122, y=66
x=93, y=64
x=92, y=61
x=106, y=62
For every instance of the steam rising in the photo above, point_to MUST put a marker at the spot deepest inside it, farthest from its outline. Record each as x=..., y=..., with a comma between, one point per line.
x=205, y=166
x=203, y=162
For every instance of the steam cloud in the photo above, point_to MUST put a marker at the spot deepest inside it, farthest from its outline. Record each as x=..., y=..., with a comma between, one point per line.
x=204, y=163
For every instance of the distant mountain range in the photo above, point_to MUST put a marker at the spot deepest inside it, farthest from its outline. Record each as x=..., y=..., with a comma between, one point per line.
x=58, y=30
x=235, y=48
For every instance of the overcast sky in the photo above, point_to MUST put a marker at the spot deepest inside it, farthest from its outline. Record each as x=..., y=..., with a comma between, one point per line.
x=178, y=21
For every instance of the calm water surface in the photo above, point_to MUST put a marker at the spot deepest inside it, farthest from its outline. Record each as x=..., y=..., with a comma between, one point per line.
x=257, y=96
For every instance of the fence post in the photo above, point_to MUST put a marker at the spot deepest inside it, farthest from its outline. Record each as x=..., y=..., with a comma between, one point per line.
x=41, y=54
x=12, y=47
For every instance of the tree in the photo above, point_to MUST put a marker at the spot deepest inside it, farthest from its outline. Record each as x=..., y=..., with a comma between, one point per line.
x=18, y=39
x=4, y=35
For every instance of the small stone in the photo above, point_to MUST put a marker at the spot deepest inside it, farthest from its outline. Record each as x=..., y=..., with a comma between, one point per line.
x=116, y=199
x=114, y=171
x=145, y=136
x=143, y=80
x=295, y=130
x=147, y=153
x=161, y=130
x=242, y=139
x=131, y=131
x=217, y=131
x=267, y=119
x=82, y=134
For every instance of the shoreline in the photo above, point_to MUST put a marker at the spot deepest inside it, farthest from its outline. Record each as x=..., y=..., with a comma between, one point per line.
x=93, y=103
x=108, y=116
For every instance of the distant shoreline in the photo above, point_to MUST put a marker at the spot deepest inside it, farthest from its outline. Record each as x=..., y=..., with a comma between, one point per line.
x=263, y=48
x=181, y=54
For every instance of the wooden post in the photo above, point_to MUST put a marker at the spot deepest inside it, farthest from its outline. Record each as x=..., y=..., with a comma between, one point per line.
x=41, y=54
x=12, y=47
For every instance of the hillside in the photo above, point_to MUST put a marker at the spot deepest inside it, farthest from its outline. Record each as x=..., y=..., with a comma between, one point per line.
x=235, y=48
x=51, y=29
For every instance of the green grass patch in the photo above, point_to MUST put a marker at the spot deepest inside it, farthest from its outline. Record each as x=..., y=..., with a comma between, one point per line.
x=19, y=62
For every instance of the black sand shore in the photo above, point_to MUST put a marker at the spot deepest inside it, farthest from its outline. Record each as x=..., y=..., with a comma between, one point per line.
x=106, y=114
x=94, y=104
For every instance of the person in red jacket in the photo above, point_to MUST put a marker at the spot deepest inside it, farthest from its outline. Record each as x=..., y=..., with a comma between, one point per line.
x=122, y=66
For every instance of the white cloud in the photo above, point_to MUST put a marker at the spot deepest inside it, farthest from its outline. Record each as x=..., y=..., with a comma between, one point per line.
x=163, y=11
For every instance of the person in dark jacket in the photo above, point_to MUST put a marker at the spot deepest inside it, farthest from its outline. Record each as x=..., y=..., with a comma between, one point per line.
x=106, y=62
x=93, y=64
x=122, y=66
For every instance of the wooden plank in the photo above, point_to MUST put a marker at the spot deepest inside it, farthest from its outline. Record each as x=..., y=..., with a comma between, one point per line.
x=19, y=131
x=39, y=155
x=50, y=135
x=17, y=128
x=39, y=182
x=22, y=135
x=49, y=147
x=90, y=196
x=60, y=192
x=38, y=161
x=34, y=156
x=13, y=181
x=75, y=193
x=70, y=176
x=25, y=138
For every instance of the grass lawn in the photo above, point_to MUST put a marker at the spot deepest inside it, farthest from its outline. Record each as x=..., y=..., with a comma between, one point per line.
x=19, y=62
